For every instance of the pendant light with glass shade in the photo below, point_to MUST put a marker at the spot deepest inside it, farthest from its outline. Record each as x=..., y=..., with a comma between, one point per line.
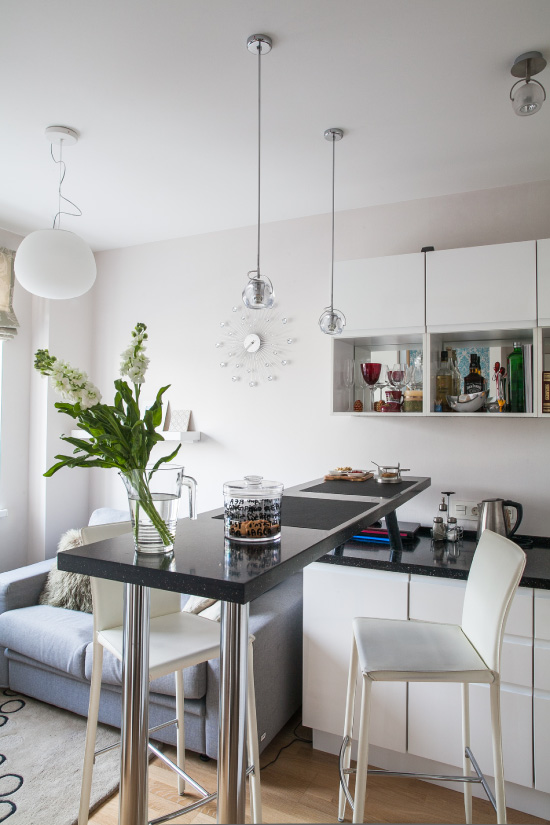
x=527, y=95
x=332, y=321
x=258, y=293
x=56, y=263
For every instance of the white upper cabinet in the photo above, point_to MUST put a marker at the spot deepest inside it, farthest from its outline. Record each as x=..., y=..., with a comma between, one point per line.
x=381, y=293
x=543, y=282
x=482, y=287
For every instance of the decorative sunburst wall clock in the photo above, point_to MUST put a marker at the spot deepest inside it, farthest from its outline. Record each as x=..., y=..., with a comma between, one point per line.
x=254, y=345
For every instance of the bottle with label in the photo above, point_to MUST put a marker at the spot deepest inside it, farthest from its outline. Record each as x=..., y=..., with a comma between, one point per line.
x=443, y=384
x=474, y=381
x=516, y=385
x=453, y=365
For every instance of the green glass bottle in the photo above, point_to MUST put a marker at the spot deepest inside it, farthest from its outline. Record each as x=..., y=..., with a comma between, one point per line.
x=516, y=380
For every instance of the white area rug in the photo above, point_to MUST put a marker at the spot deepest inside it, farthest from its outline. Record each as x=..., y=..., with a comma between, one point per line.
x=41, y=756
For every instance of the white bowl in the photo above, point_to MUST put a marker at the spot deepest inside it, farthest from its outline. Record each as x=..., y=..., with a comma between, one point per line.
x=467, y=403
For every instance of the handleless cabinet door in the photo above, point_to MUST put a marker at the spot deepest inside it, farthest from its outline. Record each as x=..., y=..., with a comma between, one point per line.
x=381, y=293
x=481, y=287
x=333, y=597
x=542, y=690
x=543, y=282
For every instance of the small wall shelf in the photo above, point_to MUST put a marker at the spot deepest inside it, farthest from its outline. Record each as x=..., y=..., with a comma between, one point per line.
x=185, y=437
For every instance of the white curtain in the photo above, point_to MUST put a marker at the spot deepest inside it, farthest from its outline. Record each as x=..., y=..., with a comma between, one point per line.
x=8, y=321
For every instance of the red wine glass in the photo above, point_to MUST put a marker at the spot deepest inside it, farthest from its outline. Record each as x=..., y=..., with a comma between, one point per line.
x=371, y=373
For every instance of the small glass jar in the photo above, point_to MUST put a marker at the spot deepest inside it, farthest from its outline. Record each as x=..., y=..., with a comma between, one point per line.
x=252, y=509
x=452, y=529
x=438, y=529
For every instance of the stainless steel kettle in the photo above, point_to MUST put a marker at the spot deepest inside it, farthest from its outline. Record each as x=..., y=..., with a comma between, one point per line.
x=492, y=516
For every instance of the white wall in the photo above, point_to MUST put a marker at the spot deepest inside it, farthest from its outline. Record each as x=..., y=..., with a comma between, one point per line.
x=182, y=289
x=39, y=509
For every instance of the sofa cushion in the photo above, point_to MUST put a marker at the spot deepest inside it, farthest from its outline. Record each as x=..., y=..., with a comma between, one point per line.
x=56, y=637
x=194, y=678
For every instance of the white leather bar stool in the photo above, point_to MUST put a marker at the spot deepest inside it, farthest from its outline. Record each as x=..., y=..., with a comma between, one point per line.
x=389, y=650
x=176, y=640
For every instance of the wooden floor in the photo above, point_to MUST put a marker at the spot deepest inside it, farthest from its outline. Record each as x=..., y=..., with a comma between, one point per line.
x=302, y=786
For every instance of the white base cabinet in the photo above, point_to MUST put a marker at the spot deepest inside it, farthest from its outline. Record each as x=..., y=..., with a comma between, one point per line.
x=423, y=721
x=332, y=598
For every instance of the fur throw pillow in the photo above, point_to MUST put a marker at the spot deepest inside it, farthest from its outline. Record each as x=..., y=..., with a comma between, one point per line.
x=63, y=589
x=207, y=608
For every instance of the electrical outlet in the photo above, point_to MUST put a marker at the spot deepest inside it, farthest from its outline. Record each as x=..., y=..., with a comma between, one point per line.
x=465, y=510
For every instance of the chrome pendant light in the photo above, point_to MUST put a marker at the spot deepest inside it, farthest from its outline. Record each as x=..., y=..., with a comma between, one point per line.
x=528, y=97
x=332, y=321
x=56, y=263
x=258, y=293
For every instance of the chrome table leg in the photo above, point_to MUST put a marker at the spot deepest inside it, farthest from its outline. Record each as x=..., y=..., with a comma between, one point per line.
x=232, y=713
x=135, y=707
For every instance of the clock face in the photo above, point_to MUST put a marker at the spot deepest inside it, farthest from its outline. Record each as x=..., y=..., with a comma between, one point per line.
x=254, y=345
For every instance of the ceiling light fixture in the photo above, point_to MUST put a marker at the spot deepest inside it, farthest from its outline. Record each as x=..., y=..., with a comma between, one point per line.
x=56, y=263
x=258, y=293
x=332, y=321
x=529, y=97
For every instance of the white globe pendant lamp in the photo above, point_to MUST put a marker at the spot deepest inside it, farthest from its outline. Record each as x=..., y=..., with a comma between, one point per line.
x=55, y=263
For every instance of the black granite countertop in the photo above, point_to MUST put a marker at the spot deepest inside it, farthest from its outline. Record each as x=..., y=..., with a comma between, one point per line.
x=443, y=559
x=314, y=521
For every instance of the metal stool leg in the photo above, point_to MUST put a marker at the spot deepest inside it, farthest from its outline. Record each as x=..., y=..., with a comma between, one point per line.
x=497, y=753
x=91, y=730
x=466, y=744
x=180, y=705
x=348, y=724
x=363, y=753
x=253, y=744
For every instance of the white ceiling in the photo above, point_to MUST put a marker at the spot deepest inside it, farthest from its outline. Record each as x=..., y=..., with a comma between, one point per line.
x=163, y=93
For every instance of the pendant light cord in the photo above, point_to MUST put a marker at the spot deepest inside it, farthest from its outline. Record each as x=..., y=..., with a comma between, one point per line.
x=332, y=263
x=259, y=144
x=60, y=197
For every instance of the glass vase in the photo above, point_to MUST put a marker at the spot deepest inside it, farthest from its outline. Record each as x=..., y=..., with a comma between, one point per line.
x=153, y=498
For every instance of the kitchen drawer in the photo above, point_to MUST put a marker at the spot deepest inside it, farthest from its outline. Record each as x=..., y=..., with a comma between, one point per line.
x=542, y=667
x=441, y=600
x=435, y=727
x=541, y=707
x=542, y=614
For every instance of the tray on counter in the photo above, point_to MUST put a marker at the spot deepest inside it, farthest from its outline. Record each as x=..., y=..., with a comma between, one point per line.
x=348, y=477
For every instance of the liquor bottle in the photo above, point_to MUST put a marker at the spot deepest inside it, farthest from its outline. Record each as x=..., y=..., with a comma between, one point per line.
x=517, y=380
x=474, y=381
x=443, y=384
x=453, y=365
x=546, y=391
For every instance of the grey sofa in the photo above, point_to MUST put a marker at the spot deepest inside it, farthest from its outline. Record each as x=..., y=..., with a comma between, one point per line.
x=46, y=652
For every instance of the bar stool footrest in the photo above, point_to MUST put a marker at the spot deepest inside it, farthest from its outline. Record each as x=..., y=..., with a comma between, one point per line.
x=479, y=778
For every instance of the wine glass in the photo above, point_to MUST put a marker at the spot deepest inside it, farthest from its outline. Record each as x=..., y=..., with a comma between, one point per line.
x=397, y=376
x=348, y=378
x=382, y=380
x=371, y=373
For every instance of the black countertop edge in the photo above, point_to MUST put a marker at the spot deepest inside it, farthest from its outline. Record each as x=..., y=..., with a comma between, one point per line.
x=421, y=570
x=231, y=591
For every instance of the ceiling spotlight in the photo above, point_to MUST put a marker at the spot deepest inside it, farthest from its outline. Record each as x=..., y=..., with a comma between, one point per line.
x=528, y=97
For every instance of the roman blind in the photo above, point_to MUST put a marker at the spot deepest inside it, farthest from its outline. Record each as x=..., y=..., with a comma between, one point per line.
x=8, y=321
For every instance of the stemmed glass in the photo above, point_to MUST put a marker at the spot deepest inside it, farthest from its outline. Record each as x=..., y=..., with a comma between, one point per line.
x=348, y=378
x=382, y=380
x=397, y=376
x=371, y=373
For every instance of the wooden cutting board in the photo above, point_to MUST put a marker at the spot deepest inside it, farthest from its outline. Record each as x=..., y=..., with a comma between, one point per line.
x=349, y=477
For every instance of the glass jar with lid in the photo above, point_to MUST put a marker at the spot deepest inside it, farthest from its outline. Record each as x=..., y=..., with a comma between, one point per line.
x=252, y=509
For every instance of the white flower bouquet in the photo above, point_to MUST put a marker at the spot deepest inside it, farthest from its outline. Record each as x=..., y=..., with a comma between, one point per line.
x=119, y=436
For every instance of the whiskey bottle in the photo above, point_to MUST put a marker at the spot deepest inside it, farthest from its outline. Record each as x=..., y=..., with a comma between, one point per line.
x=474, y=381
x=443, y=384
